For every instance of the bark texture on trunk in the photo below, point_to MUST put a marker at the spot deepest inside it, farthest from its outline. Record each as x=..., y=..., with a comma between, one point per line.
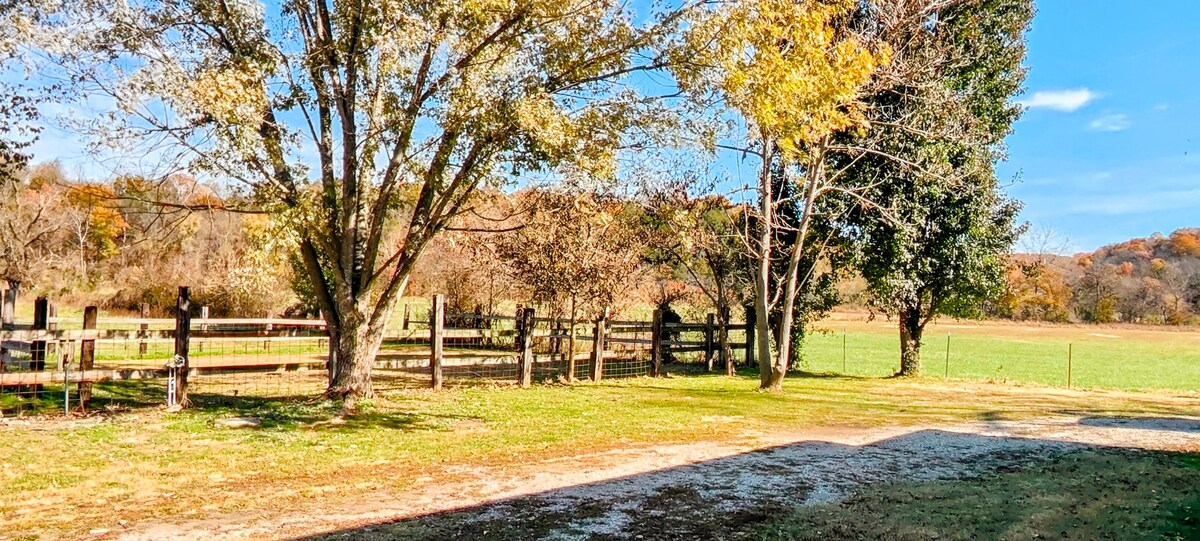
x=911, y=328
x=357, y=343
x=784, y=341
x=762, y=277
x=183, y=330
x=723, y=338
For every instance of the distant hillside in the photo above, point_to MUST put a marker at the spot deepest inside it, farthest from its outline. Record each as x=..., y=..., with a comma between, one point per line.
x=1145, y=280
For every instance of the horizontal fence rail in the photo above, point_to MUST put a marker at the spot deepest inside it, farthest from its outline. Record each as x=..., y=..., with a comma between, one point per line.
x=80, y=361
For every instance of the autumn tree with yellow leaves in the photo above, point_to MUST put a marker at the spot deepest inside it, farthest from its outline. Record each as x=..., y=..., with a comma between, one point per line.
x=792, y=72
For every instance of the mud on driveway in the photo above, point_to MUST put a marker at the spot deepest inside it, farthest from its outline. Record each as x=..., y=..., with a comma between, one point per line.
x=694, y=491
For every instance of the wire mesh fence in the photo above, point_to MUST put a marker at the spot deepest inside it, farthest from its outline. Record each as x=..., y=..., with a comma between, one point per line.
x=1085, y=359
x=43, y=377
x=272, y=358
x=42, y=371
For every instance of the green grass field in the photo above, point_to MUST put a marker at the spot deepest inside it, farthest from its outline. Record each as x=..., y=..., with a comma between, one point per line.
x=1117, y=357
x=60, y=479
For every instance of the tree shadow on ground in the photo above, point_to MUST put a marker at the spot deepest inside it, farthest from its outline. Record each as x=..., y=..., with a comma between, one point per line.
x=106, y=396
x=920, y=485
x=829, y=375
x=305, y=412
x=1175, y=424
x=694, y=370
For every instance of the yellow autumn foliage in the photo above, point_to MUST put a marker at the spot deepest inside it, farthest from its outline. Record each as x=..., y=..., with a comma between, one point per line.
x=232, y=95
x=786, y=66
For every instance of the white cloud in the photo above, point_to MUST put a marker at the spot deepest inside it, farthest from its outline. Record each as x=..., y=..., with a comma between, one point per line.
x=1060, y=100
x=1110, y=123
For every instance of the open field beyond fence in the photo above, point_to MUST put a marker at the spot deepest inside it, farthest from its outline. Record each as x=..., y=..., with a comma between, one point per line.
x=1111, y=357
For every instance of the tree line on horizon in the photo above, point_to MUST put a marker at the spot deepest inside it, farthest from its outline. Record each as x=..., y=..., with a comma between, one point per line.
x=1150, y=280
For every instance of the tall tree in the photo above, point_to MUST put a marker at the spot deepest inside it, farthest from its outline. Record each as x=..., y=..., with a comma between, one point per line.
x=944, y=107
x=822, y=262
x=350, y=119
x=31, y=218
x=575, y=253
x=701, y=239
x=792, y=72
x=20, y=240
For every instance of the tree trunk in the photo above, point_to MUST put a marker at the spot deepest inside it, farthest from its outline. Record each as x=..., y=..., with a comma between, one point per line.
x=183, y=332
x=783, y=353
x=910, y=343
x=356, y=343
x=762, y=277
x=723, y=334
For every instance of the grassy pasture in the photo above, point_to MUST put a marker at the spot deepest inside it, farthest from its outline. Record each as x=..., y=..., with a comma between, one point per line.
x=67, y=478
x=1113, y=357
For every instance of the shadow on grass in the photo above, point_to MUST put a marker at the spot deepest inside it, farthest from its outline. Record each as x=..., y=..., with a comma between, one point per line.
x=921, y=485
x=108, y=395
x=693, y=370
x=285, y=411
x=828, y=375
x=1174, y=424
x=308, y=412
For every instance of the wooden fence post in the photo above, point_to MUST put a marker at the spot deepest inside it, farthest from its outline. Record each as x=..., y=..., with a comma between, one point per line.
x=726, y=351
x=404, y=326
x=597, y=371
x=51, y=313
x=556, y=338
x=525, y=348
x=749, y=341
x=87, y=356
x=269, y=328
x=183, y=333
x=437, y=324
x=656, y=343
x=571, y=324
x=51, y=325
x=203, y=326
x=8, y=306
x=144, y=329
x=37, y=349
x=709, y=327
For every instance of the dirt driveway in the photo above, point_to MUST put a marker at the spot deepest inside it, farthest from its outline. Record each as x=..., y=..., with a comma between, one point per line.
x=701, y=490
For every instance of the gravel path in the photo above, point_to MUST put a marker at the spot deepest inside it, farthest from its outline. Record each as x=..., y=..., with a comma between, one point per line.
x=670, y=492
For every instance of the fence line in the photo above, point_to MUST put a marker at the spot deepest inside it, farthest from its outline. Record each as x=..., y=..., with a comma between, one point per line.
x=243, y=357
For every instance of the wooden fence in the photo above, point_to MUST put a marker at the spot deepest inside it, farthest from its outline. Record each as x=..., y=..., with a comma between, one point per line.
x=138, y=348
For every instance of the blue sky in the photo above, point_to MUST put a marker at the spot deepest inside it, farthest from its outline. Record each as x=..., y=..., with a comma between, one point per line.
x=1110, y=146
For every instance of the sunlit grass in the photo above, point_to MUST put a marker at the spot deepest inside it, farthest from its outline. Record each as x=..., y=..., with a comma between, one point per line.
x=60, y=480
x=1131, y=358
